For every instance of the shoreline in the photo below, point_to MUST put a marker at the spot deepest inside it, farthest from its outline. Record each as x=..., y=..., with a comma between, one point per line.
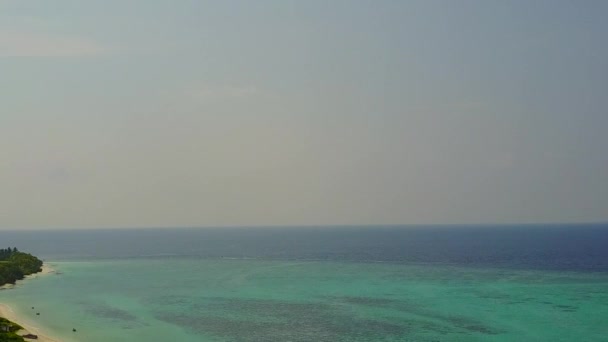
x=7, y=311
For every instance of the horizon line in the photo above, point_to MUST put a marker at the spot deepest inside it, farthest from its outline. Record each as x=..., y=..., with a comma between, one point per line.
x=292, y=226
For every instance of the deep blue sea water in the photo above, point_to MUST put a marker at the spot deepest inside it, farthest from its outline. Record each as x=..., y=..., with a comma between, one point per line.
x=374, y=283
x=576, y=247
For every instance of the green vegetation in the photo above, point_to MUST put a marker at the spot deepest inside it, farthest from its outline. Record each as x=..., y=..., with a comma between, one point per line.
x=15, y=265
x=8, y=331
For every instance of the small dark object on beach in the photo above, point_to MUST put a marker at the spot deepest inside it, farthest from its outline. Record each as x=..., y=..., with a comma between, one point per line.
x=30, y=336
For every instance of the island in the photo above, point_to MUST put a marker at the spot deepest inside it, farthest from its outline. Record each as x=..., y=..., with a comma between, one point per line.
x=15, y=265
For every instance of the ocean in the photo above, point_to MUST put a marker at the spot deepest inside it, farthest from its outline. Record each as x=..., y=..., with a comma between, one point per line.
x=372, y=283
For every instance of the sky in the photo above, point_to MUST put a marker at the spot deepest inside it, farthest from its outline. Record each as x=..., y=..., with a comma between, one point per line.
x=164, y=113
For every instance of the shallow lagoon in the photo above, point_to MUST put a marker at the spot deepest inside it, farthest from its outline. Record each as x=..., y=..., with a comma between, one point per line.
x=252, y=300
x=444, y=283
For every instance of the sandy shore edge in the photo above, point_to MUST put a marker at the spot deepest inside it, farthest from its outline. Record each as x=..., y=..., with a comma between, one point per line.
x=7, y=312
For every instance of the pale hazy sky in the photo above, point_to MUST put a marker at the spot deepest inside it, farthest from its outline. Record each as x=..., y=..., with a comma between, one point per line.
x=121, y=113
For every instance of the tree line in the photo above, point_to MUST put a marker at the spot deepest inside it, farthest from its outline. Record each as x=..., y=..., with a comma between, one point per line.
x=15, y=265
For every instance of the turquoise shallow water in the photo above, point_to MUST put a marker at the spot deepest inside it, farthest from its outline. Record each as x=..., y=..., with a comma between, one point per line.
x=214, y=299
x=373, y=283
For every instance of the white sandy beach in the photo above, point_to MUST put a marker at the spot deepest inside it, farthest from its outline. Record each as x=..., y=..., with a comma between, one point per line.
x=7, y=312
